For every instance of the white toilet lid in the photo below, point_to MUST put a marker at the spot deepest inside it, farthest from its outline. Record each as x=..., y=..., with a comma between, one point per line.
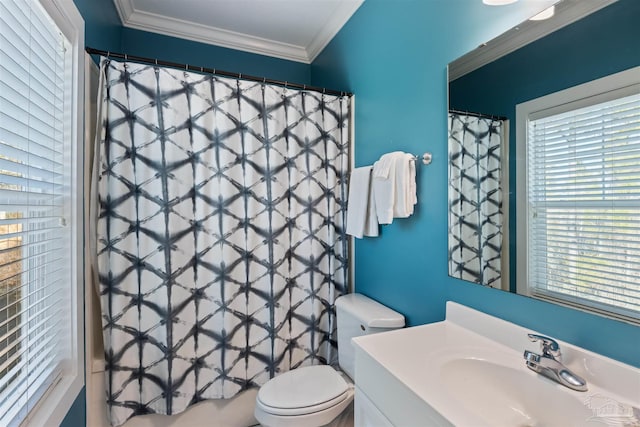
x=305, y=387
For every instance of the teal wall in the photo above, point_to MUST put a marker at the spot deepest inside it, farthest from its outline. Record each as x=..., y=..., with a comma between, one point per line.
x=603, y=43
x=393, y=56
x=76, y=417
x=152, y=45
x=102, y=24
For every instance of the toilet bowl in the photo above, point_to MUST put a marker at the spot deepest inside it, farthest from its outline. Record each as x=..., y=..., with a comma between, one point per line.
x=305, y=397
x=313, y=396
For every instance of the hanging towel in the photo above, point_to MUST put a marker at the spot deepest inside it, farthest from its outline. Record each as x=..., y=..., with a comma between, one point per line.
x=361, y=212
x=394, y=186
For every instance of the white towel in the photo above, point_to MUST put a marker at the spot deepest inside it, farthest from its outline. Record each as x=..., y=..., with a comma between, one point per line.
x=382, y=167
x=395, y=195
x=361, y=212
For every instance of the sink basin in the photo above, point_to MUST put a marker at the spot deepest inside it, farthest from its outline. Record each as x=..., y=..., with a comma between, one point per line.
x=503, y=396
x=469, y=371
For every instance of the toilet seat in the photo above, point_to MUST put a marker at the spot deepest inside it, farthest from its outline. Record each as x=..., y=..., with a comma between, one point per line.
x=303, y=391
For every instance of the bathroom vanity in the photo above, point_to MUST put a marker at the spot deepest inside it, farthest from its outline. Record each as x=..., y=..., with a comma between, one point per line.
x=470, y=370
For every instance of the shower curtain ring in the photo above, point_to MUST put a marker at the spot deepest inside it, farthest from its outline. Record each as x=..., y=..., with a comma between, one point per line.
x=126, y=57
x=156, y=62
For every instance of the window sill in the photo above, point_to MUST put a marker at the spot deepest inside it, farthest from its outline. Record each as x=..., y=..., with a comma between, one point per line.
x=53, y=407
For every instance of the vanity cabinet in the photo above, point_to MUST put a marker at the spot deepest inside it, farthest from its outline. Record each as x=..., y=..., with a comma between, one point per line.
x=383, y=400
x=366, y=414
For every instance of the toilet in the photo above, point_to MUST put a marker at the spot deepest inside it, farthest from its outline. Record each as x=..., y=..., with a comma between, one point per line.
x=313, y=396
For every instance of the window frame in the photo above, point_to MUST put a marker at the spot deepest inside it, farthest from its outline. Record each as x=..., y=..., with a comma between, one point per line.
x=597, y=91
x=54, y=405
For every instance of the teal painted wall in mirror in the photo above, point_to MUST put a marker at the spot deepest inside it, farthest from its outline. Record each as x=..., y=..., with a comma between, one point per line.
x=600, y=44
x=393, y=56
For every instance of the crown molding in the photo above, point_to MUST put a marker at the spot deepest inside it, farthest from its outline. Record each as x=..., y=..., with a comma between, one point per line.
x=125, y=9
x=331, y=28
x=211, y=35
x=160, y=24
x=567, y=12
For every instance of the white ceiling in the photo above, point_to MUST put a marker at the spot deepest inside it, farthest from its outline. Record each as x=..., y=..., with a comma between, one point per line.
x=566, y=12
x=296, y=30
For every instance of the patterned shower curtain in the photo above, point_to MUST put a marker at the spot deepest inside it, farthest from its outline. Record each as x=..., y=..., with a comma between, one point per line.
x=475, y=199
x=220, y=233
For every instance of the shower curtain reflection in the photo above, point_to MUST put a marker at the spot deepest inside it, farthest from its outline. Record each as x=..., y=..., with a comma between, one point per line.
x=475, y=198
x=221, y=244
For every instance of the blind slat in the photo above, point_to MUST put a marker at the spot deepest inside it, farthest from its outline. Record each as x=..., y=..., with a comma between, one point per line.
x=29, y=341
x=35, y=193
x=621, y=152
x=11, y=197
x=55, y=279
x=610, y=246
x=23, y=155
x=589, y=287
x=3, y=252
x=583, y=185
x=612, y=233
x=24, y=339
x=38, y=359
x=32, y=256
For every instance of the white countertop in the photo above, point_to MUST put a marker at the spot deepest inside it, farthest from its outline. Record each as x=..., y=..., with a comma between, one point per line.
x=415, y=357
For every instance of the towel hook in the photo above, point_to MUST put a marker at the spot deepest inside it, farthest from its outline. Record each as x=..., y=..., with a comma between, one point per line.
x=427, y=157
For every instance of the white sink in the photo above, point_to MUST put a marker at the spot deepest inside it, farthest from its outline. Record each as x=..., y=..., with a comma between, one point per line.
x=469, y=370
x=503, y=396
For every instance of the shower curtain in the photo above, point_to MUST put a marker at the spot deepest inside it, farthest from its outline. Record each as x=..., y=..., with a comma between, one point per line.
x=220, y=233
x=475, y=199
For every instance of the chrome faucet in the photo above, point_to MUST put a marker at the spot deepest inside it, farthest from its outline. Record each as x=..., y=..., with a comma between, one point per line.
x=549, y=365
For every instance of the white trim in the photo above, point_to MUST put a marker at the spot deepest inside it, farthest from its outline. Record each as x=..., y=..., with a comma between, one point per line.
x=567, y=12
x=165, y=25
x=53, y=407
x=593, y=92
x=505, y=279
x=352, y=164
x=331, y=28
x=125, y=9
x=211, y=35
x=91, y=362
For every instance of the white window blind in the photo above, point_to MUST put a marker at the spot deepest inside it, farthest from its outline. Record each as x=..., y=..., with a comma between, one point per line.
x=583, y=187
x=35, y=187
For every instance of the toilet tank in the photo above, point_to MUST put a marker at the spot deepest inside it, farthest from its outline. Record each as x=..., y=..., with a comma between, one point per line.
x=359, y=315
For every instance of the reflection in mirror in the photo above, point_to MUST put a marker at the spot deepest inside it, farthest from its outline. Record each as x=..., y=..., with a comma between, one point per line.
x=476, y=216
x=582, y=42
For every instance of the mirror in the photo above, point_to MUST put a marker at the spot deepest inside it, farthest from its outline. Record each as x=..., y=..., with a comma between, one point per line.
x=581, y=42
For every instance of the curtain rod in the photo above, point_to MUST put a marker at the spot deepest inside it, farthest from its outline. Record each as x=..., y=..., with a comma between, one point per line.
x=215, y=71
x=483, y=116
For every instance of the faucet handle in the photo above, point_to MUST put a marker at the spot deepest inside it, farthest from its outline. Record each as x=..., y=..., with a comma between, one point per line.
x=550, y=347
